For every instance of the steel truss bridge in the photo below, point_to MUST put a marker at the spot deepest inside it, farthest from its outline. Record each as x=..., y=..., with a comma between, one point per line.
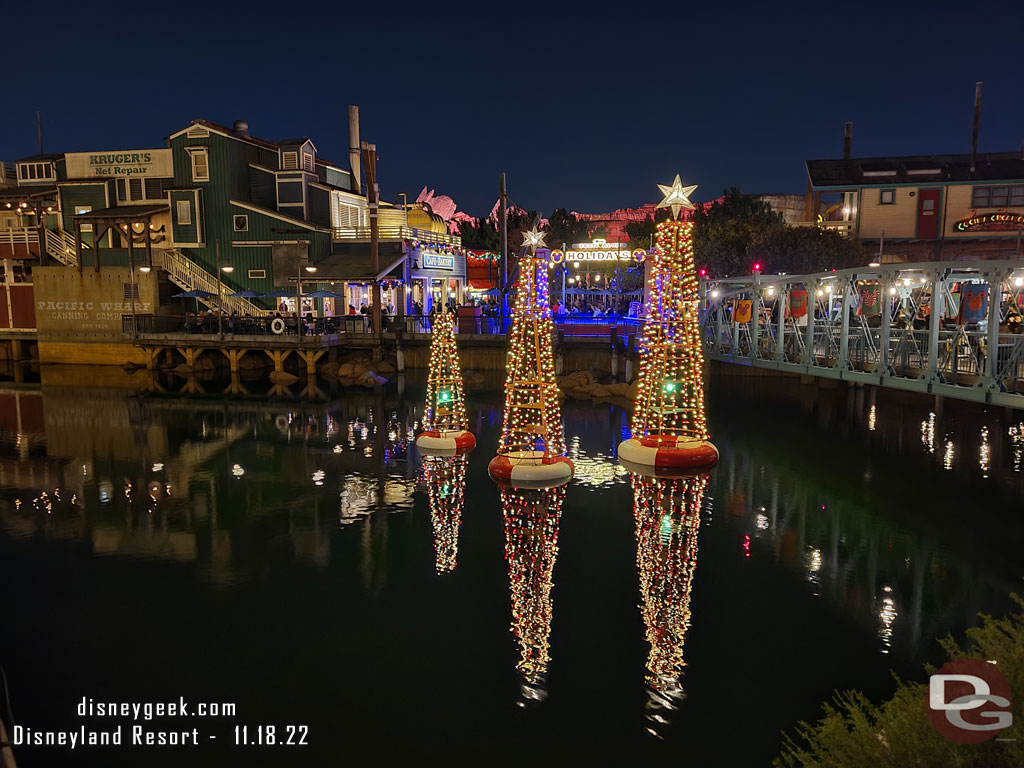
x=915, y=343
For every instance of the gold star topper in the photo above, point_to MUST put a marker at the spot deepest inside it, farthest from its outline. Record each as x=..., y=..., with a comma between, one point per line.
x=533, y=239
x=676, y=196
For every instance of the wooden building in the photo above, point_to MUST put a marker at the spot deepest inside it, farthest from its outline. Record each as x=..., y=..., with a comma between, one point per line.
x=928, y=208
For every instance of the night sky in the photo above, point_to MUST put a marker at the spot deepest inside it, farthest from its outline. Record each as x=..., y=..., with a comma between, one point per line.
x=582, y=107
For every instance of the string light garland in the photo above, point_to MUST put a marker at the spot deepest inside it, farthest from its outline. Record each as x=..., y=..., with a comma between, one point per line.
x=444, y=420
x=667, y=517
x=532, y=445
x=445, y=478
x=669, y=427
x=531, y=547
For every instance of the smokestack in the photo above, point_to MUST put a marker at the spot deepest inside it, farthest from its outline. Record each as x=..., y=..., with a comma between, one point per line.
x=977, y=120
x=354, y=147
x=847, y=141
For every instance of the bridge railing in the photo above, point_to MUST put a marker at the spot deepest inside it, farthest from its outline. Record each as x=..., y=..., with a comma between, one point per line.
x=929, y=326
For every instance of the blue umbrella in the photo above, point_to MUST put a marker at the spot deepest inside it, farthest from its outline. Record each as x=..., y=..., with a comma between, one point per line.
x=246, y=294
x=194, y=294
x=323, y=295
x=282, y=293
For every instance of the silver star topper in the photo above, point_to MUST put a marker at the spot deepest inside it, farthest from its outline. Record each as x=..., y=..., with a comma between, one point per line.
x=676, y=196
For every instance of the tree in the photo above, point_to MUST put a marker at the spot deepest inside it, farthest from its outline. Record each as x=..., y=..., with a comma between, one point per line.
x=804, y=250
x=564, y=227
x=479, y=235
x=724, y=230
x=641, y=233
x=855, y=732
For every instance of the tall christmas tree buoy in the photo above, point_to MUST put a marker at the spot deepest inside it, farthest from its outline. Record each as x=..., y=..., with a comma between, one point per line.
x=667, y=516
x=445, y=430
x=669, y=427
x=532, y=447
x=531, y=546
x=445, y=477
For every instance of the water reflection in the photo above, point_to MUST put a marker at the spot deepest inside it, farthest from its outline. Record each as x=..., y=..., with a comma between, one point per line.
x=667, y=517
x=531, y=547
x=445, y=478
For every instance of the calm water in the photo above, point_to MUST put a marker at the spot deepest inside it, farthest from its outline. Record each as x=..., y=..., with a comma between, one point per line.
x=301, y=562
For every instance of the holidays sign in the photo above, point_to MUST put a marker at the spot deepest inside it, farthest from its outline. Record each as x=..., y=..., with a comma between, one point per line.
x=598, y=250
x=119, y=163
x=991, y=221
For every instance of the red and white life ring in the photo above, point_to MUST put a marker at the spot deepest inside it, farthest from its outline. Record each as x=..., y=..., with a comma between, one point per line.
x=445, y=442
x=277, y=326
x=669, y=452
x=530, y=469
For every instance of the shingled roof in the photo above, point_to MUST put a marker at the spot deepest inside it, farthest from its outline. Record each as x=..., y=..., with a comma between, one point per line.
x=992, y=166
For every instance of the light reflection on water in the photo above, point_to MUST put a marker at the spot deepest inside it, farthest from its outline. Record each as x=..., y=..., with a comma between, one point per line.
x=234, y=487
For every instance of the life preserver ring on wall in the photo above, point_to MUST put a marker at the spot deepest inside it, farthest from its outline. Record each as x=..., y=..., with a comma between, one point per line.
x=530, y=469
x=445, y=442
x=277, y=326
x=281, y=422
x=668, y=452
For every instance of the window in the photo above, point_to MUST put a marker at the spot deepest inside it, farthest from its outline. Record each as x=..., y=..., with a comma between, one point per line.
x=183, y=209
x=135, y=189
x=200, y=164
x=35, y=171
x=122, y=190
x=241, y=222
x=289, y=160
x=257, y=274
x=997, y=197
x=157, y=189
x=928, y=205
x=888, y=197
x=307, y=162
x=79, y=210
x=130, y=291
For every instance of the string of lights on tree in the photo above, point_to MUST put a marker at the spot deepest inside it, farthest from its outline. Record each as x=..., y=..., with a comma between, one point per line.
x=532, y=414
x=446, y=398
x=445, y=478
x=531, y=547
x=670, y=391
x=667, y=517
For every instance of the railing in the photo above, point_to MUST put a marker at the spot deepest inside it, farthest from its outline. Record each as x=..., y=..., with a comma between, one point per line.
x=410, y=325
x=397, y=233
x=844, y=228
x=59, y=244
x=190, y=276
x=914, y=335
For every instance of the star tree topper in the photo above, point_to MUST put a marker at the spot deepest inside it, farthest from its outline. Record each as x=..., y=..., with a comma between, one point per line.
x=676, y=196
x=533, y=239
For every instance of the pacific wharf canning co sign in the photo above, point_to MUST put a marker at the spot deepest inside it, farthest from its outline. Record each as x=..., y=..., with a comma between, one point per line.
x=1004, y=220
x=119, y=164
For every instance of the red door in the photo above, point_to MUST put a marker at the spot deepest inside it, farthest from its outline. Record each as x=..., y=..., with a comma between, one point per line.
x=928, y=214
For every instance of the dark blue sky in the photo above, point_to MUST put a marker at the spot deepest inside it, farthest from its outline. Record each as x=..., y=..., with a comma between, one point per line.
x=587, y=106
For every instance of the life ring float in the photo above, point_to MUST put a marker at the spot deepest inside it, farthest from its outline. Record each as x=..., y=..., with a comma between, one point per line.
x=530, y=469
x=445, y=442
x=281, y=422
x=277, y=326
x=670, y=452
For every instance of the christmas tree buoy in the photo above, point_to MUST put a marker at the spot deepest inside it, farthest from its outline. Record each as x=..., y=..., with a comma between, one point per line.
x=669, y=426
x=532, y=447
x=444, y=421
x=445, y=477
x=531, y=546
x=667, y=516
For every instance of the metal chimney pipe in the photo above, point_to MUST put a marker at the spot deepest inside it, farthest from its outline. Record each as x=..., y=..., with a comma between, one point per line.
x=977, y=120
x=847, y=141
x=354, y=147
